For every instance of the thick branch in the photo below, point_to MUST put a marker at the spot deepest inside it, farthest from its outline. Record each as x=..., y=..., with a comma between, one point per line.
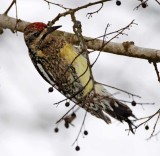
x=7, y=22
x=126, y=48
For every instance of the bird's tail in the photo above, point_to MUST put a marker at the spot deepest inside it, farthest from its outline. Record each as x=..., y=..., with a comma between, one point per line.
x=109, y=105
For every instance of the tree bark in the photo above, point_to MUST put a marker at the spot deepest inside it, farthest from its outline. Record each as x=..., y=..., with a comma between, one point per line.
x=125, y=48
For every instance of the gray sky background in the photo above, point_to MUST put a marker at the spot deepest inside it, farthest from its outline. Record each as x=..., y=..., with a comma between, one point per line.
x=27, y=114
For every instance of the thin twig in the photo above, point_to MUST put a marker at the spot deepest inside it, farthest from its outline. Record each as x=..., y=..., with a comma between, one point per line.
x=154, y=128
x=119, y=90
x=148, y=118
x=142, y=2
x=10, y=6
x=8, y=9
x=107, y=34
x=157, y=2
x=102, y=44
x=70, y=11
x=66, y=114
x=80, y=128
x=157, y=71
x=59, y=5
x=138, y=103
x=119, y=33
x=154, y=135
x=91, y=13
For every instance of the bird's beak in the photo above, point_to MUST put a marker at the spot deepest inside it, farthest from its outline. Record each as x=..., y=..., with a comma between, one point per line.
x=51, y=29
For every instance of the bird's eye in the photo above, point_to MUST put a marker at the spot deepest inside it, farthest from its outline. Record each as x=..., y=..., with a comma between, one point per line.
x=36, y=34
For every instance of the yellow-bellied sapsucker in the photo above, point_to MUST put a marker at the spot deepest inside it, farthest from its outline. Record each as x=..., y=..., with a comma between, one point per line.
x=63, y=66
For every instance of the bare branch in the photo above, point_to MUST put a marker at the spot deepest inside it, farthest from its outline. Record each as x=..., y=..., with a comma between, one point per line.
x=157, y=2
x=65, y=114
x=10, y=6
x=80, y=128
x=154, y=128
x=104, y=36
x=94, y=44
x=72, y=11
x=91, y=13
x=119, y=90
x=141, y=4
x=135, y=103
x=147, y=119
x=156, y=69
x=7, y=22
x=154, y=135
x=59, y=5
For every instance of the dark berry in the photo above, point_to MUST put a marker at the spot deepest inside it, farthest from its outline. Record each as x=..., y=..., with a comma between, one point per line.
x=147, y=127
x=77, y=148
x=85, y=132
x=118, y=3
x=66, y=124
x=133, y=103
x=144, y=5
x=73, y=114
x=56, y=130
x=67, y=104
x=50, y=89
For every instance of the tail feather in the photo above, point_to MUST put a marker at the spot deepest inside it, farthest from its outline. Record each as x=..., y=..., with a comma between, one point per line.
x=103, y=116
x=113, y=107
x=130, y=124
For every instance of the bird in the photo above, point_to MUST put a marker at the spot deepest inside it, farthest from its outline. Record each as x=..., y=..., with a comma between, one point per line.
x=66, y=68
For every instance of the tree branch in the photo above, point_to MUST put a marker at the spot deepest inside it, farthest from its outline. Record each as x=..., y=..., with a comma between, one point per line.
x=10, y=6
x=7, y=22
x=125, y=49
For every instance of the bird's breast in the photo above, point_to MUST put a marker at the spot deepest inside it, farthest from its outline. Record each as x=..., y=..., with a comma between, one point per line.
x=80, y=64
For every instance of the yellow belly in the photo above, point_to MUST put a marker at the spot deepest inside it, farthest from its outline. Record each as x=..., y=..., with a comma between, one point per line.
x=69, y=53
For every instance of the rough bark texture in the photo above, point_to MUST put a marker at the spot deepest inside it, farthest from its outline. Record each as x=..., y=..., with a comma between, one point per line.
x=125, y=48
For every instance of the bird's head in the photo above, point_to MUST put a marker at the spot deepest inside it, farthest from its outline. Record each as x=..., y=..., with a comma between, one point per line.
x=33, y=31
